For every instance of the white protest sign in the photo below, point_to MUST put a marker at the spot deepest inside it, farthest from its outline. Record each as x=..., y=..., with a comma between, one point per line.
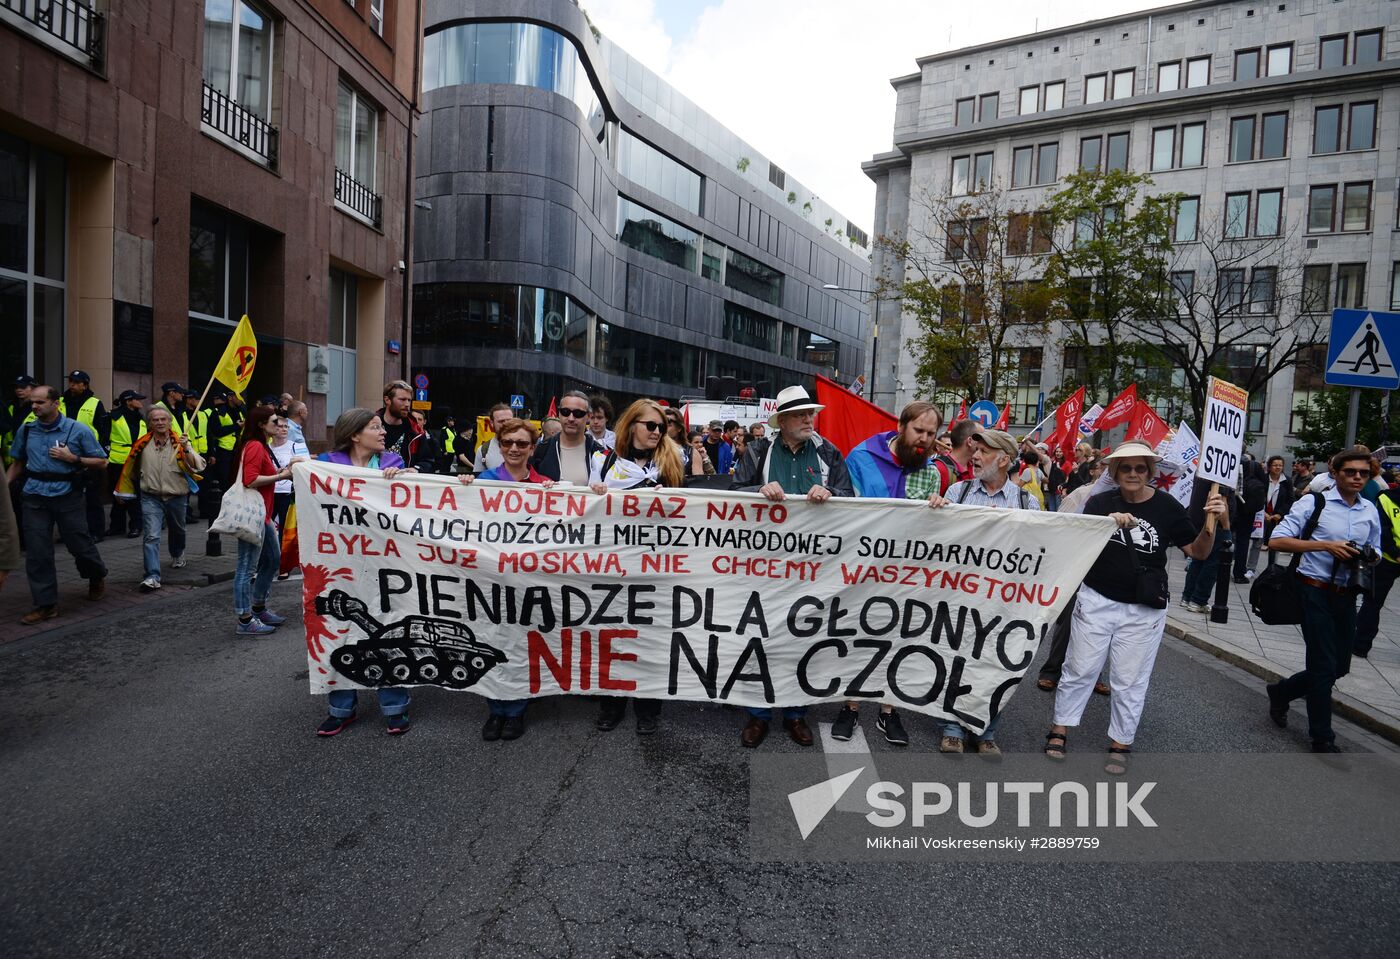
x=512, y=591
x=1087, y=421
x=1222, y=440
x=1176, y=473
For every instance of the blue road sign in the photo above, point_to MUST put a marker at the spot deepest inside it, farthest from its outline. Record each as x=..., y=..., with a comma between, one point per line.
x=517, y=401
x=420, y=396
x=985, y=412
x=421, y=381
x=1361, y=349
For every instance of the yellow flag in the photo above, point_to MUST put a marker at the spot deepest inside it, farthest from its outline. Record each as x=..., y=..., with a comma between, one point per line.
x=240, y=356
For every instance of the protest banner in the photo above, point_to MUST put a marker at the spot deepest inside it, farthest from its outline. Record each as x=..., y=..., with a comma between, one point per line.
x=1222, y=440
x=517, y=591
x=1176, y=473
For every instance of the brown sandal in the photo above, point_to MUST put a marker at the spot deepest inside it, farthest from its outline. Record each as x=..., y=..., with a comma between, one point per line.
x=1056, y=752
x=1102, y=688
x=1045, y=683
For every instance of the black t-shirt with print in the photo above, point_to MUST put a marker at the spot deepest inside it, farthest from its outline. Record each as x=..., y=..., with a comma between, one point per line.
x=1162, y=521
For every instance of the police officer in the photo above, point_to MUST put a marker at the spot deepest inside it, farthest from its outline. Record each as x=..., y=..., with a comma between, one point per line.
x=220, y=436
x=15, y=412
x=172, y=397
x=128, y=426
x=81, y=404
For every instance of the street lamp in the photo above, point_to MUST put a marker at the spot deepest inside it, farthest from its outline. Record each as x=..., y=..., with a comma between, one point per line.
x=874, y=324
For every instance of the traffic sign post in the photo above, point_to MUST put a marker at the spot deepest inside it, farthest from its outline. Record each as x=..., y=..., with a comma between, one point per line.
x=985, y=412
x=1361, y=350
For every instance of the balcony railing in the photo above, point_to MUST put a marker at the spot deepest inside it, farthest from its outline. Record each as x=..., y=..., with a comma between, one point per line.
x=354, y=195
x=73, y=23
x=240, y=125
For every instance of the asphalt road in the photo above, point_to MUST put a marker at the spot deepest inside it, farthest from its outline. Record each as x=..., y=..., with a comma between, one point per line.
x=162, y=794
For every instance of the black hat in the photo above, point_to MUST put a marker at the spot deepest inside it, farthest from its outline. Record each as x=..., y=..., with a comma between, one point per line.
x=270, y=399
x=189, y=393
x=170, y=386
x=26, y=380
x=130, y=395
x=78, y=376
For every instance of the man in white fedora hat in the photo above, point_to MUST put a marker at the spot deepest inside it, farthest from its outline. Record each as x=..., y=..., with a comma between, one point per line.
x=794, y=462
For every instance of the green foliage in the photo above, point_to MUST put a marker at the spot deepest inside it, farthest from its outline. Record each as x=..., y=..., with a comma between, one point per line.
x=1323, y=430
x=742, y=165
x=792, y=196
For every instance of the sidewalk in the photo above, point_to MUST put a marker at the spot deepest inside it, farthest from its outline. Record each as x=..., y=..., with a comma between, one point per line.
x=1368, y=696
x=125, y=570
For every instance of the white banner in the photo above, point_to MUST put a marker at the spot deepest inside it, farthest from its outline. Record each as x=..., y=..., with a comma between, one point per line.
x=1176, y=473
x=1087, y=421
x=517, y=591
x=1222, y=440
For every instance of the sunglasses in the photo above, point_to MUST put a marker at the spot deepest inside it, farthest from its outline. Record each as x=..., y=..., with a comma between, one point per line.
x=651, y=425
x=1355, y=472
x=577, y=414
x=515, y=444
x=1133, y=468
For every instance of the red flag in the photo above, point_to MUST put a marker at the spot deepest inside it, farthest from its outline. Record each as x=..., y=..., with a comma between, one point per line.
x=1005, y=419
x=1066, y=434
x=848, y=419
x=962, y=414
x=553, y=407
x=1147, y=426
x=1120, y=410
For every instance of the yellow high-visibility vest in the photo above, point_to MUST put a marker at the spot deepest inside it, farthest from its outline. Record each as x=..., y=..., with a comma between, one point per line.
x=86, y=413
x=122, y=440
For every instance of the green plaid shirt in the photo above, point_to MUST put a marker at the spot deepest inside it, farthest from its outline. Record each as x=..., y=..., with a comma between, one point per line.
x=923, y=483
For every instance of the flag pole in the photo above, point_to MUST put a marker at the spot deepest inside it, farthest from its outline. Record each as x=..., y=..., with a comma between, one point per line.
x=1037, y=426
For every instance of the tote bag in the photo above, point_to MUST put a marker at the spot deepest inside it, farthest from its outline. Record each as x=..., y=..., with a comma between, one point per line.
x=243, y=513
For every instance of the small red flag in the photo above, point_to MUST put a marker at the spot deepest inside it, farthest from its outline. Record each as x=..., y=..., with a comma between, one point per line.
x=1120, y=410
x=848, y=419
x=962, y=414
x=1005, y=419
x=1147, y=426
x=1066, y=434
x=553, y=407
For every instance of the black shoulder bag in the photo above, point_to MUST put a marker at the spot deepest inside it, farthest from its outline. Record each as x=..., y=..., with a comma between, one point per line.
x=1275, y=598
x=1150, y=586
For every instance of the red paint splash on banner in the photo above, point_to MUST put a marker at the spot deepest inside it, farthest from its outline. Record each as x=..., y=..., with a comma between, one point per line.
x=315, y=579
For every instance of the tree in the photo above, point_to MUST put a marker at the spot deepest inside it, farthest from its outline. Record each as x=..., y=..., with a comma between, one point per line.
x=1107, y=268
x=1233, y=306
x=1323, y=429
x=968, y=276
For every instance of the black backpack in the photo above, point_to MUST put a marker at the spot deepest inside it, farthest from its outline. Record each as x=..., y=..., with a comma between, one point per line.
x=1275, y=598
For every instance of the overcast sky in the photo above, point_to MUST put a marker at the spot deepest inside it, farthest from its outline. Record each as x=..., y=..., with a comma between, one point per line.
x=806, y=82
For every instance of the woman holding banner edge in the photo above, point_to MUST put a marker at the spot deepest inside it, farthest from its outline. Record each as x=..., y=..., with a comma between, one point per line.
x=516, y=439
x=1121, y=610
x=644, y=457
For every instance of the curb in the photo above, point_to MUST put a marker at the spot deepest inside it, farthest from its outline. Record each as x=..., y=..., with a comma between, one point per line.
x=1360, y=713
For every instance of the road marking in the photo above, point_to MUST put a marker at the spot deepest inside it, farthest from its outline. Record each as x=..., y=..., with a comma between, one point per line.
x=851, y=756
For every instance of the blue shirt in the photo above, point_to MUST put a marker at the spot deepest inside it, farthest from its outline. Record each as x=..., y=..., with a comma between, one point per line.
x=294, y=433
x=1357, y=523
x=1008, y=497
x=32, y=444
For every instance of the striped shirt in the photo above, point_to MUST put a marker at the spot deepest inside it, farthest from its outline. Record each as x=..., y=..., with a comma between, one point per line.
x=1008, y=497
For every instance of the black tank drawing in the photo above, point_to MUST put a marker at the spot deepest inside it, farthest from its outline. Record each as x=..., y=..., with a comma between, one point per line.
x=417, y=650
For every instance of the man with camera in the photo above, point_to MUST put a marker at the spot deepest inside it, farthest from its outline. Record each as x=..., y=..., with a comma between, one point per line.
x=1336, y=564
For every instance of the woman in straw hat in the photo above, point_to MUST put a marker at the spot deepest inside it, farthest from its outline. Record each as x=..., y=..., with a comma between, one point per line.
x=1121, y=610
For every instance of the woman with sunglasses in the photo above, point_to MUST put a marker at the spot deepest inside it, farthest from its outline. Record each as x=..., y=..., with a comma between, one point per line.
x=1121, y=609
x=645, y=457
x=516, y=440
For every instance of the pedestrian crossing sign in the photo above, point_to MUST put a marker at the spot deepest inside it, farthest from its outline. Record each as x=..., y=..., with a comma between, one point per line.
x=1361, y=349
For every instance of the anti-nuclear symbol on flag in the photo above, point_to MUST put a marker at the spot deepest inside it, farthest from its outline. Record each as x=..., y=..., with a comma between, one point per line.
x=246, y=355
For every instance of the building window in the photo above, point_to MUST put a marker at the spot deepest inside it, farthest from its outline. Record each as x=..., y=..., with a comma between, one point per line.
x=749, y=328
x=1236, y=216
x=648, y=167
x=962, y=112
x=1361, y=126
x=1395, y=286
x=1332, y=52
x=1367, y=48
x=1317, y=282
x=958, y=182
x=1188, y=210
x=33, y=268
x=1351, y=286
x=967, y=239
x=1028, y=233
x=1193, y=144
x=776, y=176
x=1273, y=136
x=1322, y=206
x=1232, y=291
x=376, y=17
x=982, y=172
x=1268, y=213
x=1117, y=152
x=237, y=99
x=1263, y=283
x=1280, y=60
x=1030, y=99
x=1163, y=148
x=1327, y=129
x=656, y=235
x=1021, y=159
x=1241, y=139
x=1095, y=87
x=1047, y=163
x=356, y=150
x=1247, y=64
x=1085, y=229
x=342, y=320
x=758, y=280
x=1183, y=285
x=1123, y=84
x=1090, y=153
x=1055, y=95
x=219, y=258
x=1168, y=76
x=1308, y=383
x=1197, y=72
x=987, y=105
x=1356, y=207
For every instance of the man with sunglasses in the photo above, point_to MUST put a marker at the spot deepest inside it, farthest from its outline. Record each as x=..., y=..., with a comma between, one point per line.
x=1327, y=579
x=565, y=458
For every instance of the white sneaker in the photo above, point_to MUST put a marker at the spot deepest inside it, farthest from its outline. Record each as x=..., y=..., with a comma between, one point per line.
x=150, y=584
x=178, y=562
x=1198, y=607
x=1249, y=574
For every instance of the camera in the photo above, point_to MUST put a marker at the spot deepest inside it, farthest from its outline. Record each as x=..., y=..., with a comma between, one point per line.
x=1366, y=555
x=1362, y=566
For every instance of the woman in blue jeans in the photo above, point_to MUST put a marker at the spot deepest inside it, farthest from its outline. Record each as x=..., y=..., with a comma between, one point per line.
x=358, y=438
x=257, y=562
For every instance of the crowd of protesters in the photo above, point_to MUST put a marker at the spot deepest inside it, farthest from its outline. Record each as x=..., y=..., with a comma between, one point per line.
x=168, y=464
